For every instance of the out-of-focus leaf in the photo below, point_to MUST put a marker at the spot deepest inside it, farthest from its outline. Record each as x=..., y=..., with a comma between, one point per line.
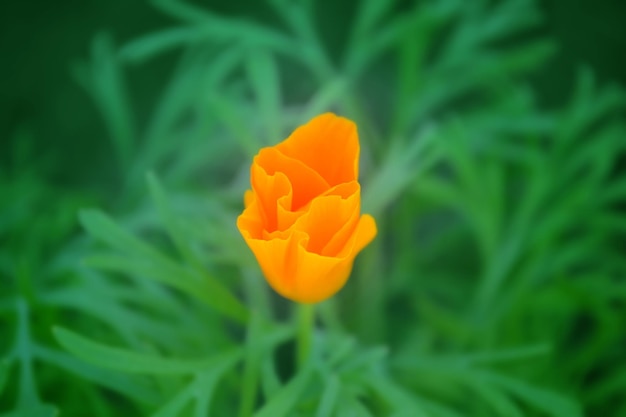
x=308, y=48
x=329, y=398
x=173, y=407
x=480, y=25
x=353, y=407
x=340, y=350
x=264, y=78
x=283, y=402
x=444, y=321
x=436, y=409
x=137, y=326
x=201, y=388
x=146, y=47
x=420, y=21
x=252, y=363
x=33, y=410
x=469, y=360
x=182, y=10
x=586, y=107
x=364, y=360
x=396, y=396
x=181, y=99
x=506, y=355
x=232, y=117
x=402, y=164
x=326, y=97
x=507, y=17
x=442, y=193
x=270, y=381
x=4, y=371
x=613, y=385
x=132, y=388
x=364, y=50
x=170, y=221
x=103, y=78
x=132, y=362
x=412, y=53
x=23, y=351
x=151, y=263
x=501, y=404
x=368, y=14
x=544, y=400
x=183, y=279
x=223, y=29
x=105, y=229
x=591, y=163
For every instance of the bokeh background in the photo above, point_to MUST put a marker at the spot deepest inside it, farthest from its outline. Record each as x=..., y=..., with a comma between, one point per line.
x=493, y=157
x=42, y=41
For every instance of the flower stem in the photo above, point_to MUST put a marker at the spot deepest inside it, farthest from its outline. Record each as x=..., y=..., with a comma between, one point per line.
x=306, y=323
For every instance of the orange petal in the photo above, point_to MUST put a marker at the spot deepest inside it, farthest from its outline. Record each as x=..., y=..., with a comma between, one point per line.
x=268, y=189
x=365, y=232
x=302, y=217
x=320, y=277
x=285, y=218
x=303, y=276
x=305, y=182
x=329, y=145
x=251, y=220
x=277, y=257
x=331, y=218
x=248, y=197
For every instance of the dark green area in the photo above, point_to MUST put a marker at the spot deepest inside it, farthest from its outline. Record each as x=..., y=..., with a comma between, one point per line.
x=41, y=41
x=493, y=140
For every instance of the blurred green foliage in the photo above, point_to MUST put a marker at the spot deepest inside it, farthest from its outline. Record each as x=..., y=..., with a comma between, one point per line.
x=496, y=284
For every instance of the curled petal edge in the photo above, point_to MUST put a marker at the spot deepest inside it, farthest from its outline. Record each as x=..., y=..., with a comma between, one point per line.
x=303, y=276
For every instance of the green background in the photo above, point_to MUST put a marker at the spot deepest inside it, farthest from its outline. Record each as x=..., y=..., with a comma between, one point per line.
x=41, y=40
x=493, y=138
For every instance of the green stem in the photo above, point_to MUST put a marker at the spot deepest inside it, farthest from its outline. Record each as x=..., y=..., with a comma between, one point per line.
x=250, y=379
x=306, y=322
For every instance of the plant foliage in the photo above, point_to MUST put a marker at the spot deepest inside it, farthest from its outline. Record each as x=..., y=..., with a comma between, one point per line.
x=496, y=284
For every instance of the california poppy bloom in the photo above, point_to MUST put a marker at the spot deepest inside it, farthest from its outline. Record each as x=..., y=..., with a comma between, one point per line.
x=302, y=218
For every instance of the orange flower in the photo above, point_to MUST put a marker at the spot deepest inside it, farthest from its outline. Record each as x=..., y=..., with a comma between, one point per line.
x=302, y=218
